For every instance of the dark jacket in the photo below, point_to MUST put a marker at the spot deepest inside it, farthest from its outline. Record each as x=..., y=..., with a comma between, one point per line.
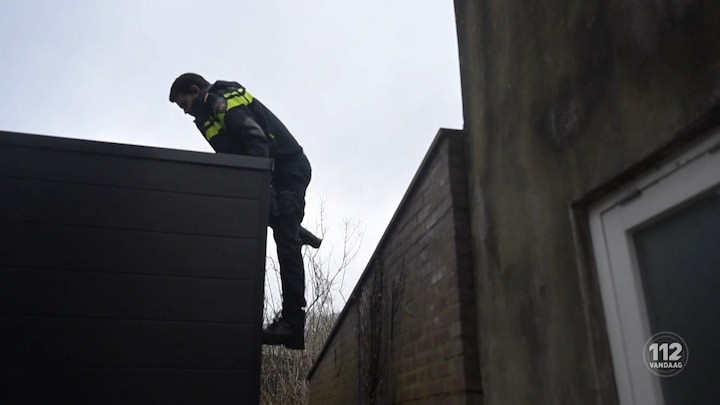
x=233, y=121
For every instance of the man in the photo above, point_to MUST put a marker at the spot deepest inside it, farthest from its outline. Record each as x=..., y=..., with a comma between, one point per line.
x=233, y=121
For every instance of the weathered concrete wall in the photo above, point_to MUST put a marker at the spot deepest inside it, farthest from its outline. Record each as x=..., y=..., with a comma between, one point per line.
x=561, y=97
x=408, y=334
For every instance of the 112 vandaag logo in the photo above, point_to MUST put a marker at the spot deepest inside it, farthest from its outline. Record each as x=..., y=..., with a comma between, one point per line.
x=666, y=354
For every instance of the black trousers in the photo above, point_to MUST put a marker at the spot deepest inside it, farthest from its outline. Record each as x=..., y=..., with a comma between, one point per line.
x=291, y=174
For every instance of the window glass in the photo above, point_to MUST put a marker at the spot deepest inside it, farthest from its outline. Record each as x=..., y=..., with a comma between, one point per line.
x=679, y=262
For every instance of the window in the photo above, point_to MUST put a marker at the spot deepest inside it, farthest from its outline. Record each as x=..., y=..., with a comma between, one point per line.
x=657, y=248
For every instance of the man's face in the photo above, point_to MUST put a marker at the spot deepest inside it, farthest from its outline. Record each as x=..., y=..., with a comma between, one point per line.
x=185, y=101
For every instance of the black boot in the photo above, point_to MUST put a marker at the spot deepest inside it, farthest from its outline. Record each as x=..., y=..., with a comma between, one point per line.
x=307, y=238
x=286, y=331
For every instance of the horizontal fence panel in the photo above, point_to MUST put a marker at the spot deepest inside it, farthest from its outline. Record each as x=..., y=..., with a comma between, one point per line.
x=39, y=245
x=123, y=296
x=162, y=175
x=49, y=341
x=41, y=385
x=114, y=207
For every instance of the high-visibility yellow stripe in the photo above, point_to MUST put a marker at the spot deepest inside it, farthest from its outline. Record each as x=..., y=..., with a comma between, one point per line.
x=238, y=99
x=234, y=99
x=213, y=130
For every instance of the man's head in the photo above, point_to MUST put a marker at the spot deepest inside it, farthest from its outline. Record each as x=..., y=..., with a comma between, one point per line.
x=185, y=89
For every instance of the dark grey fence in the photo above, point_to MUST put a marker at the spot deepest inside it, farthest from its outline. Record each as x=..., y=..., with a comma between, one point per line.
x=129, y=274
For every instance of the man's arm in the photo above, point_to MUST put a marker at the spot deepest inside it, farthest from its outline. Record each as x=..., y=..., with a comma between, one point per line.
x=239, y=123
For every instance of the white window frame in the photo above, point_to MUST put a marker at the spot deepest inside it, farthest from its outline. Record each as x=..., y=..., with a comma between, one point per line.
x=612, y=221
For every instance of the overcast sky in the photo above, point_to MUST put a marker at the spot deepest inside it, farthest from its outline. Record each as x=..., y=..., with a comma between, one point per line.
x=364, y=85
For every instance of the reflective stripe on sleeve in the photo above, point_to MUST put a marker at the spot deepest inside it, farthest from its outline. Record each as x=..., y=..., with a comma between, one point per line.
x=234, y=99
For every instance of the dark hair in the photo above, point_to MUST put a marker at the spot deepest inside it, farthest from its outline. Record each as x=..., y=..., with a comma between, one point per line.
x=184, y=82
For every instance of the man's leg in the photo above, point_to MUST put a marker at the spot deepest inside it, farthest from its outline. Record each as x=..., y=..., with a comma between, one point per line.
x=290, y=188
x=289, y=329
x=306, y=237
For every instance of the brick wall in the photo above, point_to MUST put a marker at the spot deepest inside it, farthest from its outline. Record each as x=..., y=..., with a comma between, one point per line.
x=407, y=334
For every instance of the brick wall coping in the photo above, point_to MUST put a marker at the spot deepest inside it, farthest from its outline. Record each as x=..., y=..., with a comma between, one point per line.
x=442, y=135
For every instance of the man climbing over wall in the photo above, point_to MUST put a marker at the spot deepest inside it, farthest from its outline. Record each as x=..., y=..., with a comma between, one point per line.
x=233, y=121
